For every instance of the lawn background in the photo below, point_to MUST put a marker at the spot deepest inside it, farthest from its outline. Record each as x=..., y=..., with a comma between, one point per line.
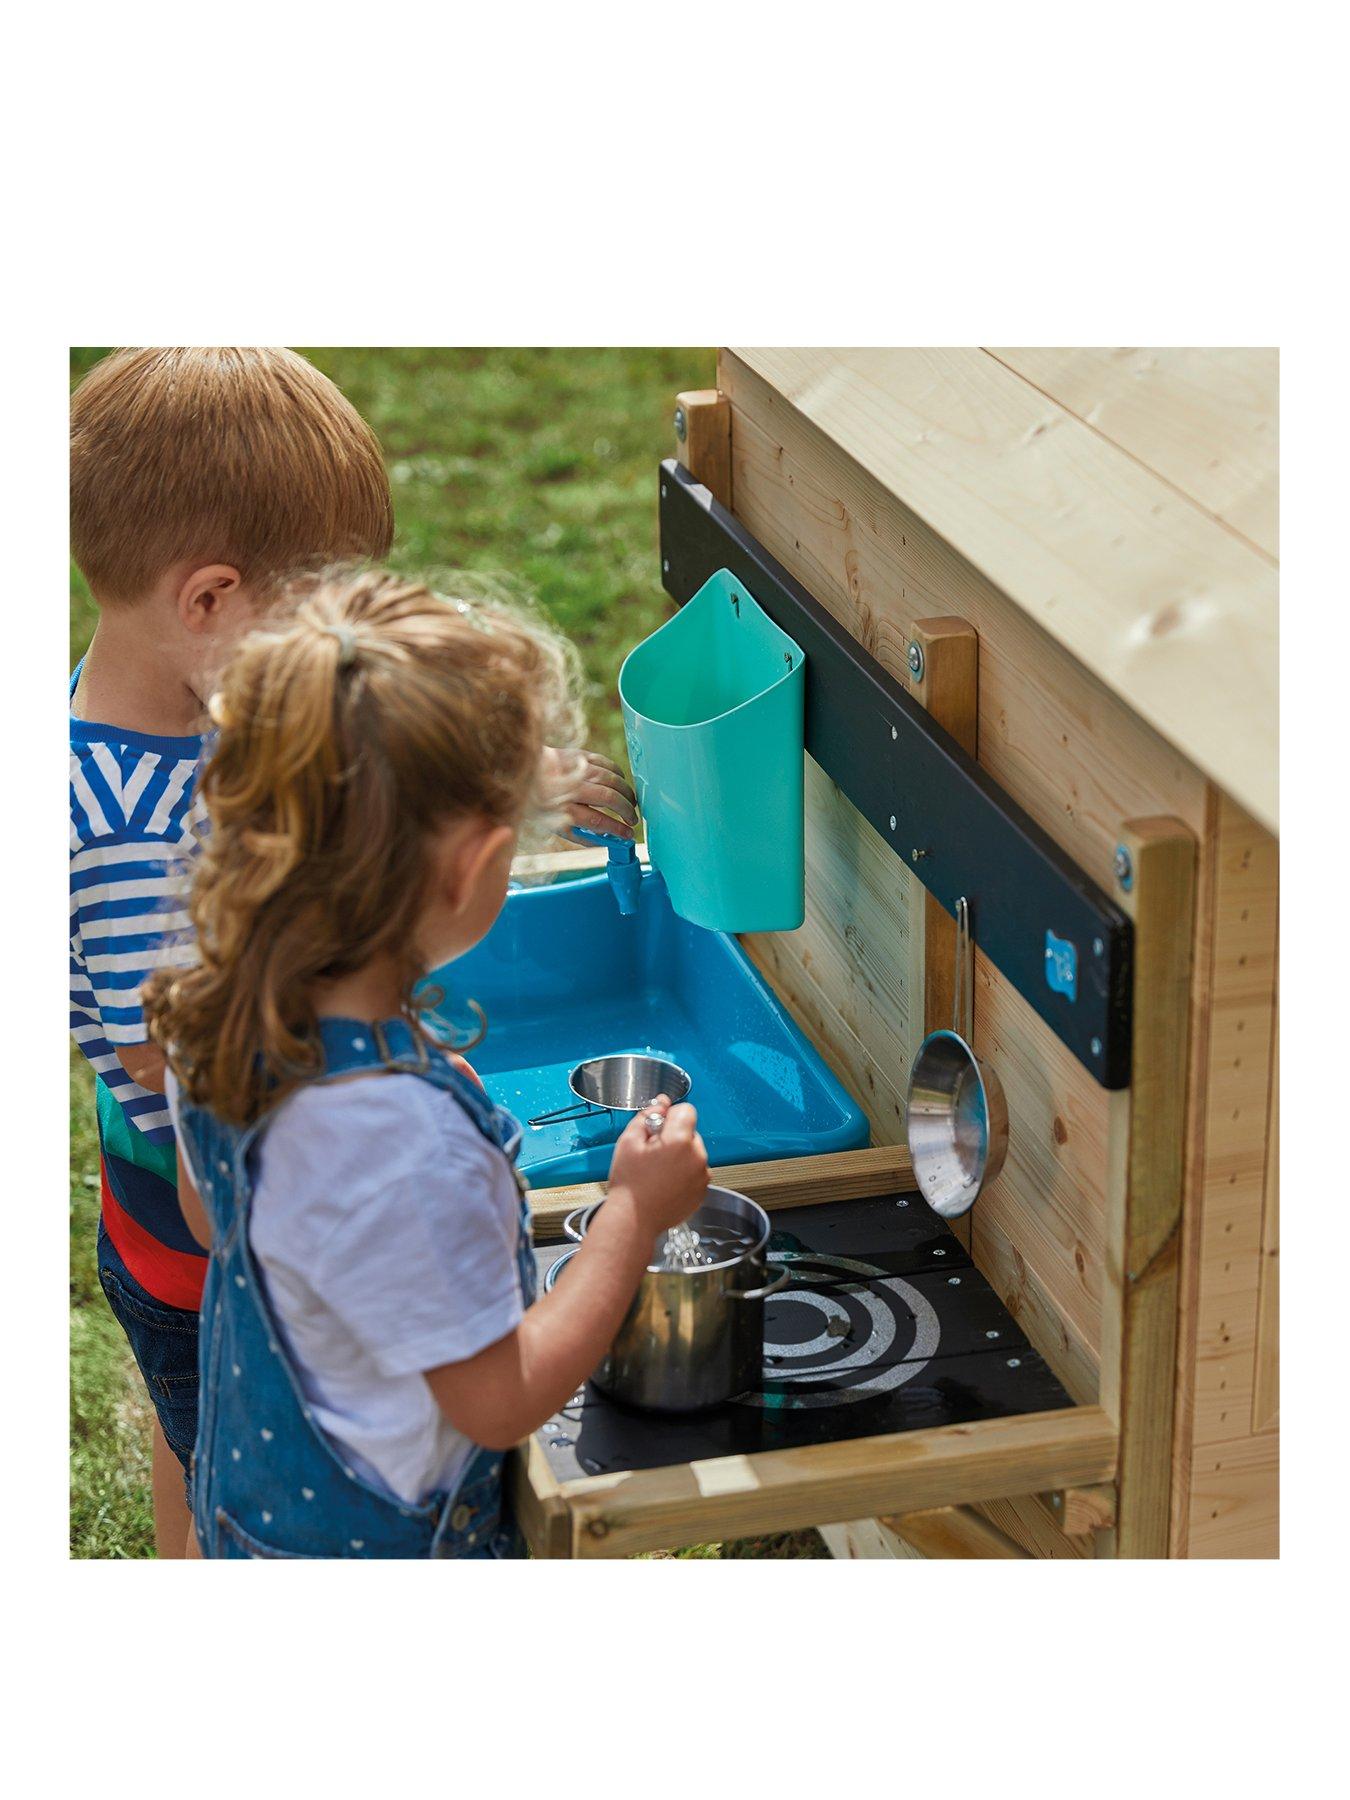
x=536, y=466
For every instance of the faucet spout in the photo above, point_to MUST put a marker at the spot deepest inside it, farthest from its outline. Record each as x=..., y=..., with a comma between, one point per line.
x=622, y=867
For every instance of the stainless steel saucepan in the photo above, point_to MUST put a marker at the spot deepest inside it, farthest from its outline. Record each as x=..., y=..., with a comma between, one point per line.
x=618, y=1084
x=693, y=1337
x=956, y=1115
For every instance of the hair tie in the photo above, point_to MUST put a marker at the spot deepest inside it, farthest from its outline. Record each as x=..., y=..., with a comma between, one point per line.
x=346, y=639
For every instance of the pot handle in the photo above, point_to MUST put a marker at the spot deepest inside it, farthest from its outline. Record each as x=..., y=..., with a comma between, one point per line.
x=571, y=1228
x=556, y=1269
x=780, y=1280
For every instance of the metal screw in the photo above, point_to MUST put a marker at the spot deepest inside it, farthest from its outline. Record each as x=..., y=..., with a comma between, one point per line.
x=902, y=1203
x=1096, y=1046
x=1124, y=867
x=663, y=490
x=1014, y=1362
x=1056, y=1500
x=1098, y=947
x=665, y=565
x=892, y=821
x=917, y=855
x=953, y=1281
x=894, y=734
x=681, y=424
x=914, y=657
x=939, y=1253
x=991, y=1334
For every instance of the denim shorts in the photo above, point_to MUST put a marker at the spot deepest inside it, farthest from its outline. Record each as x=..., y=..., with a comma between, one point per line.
x=163, y=1340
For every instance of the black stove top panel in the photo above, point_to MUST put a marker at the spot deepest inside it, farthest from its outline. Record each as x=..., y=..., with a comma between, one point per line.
x=885, y=1326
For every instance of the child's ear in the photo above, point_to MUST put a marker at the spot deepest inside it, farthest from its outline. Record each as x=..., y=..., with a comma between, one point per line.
x=206, y=595
x=473, y=856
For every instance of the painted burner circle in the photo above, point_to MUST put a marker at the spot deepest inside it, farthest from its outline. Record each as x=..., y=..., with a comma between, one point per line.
x=824, y=1348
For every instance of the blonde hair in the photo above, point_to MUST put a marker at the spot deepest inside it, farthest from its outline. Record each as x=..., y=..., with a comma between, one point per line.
x=244, y=456
x=350, y=729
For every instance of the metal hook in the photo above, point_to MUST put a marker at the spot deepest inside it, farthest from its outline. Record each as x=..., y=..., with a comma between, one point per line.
x=963, y=993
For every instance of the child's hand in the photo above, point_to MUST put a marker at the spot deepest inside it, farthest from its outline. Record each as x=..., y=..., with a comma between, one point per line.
x=601, y=784
x=464, y=1066
x=666, y=1175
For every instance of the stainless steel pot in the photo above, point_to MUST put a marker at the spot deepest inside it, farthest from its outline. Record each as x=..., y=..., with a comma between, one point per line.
x=692, y=1337
x=618, y=1084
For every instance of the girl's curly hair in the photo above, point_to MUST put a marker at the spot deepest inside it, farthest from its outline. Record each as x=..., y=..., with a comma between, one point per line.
x=367, y=714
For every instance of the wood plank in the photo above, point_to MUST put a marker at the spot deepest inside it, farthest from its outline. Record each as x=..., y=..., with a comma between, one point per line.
x=867, y=1540
x=786, y=1490
x=955, y=1533
x=1029, y=1525
x=1188, y=1283
x=1235, y=1498
x=948, y=687
x=1049, y=1202
x=704, y=446
x=1237, y=1102
x=1174, y=613
x=847, y=971
x=536, y=1501
x=1266, y=1376
x=1139, y=1316
x=791, y=1181
x=1207, y=421
x=949, y=690
x=546, y=865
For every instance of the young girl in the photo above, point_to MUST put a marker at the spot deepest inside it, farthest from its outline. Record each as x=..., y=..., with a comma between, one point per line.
x=371, y=1344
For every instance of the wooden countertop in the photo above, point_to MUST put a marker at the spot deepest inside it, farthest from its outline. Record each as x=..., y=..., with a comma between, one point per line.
x=1127, y=500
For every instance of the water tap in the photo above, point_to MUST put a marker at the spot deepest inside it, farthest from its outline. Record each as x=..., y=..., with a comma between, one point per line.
x=623, y=868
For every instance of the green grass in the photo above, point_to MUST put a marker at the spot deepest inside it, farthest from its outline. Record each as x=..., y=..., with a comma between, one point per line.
x=536, y=466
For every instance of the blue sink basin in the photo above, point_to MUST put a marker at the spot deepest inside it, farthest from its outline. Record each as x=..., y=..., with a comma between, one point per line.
x=562, y=977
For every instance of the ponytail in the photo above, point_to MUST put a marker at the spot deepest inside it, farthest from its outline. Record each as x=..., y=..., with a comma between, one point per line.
x=374, y=714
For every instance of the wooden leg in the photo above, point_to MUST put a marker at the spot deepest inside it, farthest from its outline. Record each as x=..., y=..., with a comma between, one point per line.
x=1144, y=1200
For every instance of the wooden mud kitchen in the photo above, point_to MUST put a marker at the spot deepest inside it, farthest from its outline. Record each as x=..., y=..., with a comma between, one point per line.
x=1036, y=592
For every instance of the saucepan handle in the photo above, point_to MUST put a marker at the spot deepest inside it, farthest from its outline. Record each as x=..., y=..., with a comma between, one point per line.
x=572, y=1224
x=582, y=1111
x=780, y=1280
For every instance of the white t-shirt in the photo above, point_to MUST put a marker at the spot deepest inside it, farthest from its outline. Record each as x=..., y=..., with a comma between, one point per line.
x=384, y=1226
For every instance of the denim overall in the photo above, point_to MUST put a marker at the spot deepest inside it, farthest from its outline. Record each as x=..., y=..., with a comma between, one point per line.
x=267, y=1482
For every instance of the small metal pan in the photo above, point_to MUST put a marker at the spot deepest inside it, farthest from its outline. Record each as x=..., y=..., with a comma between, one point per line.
x=618, y=1084
x=956, y=1115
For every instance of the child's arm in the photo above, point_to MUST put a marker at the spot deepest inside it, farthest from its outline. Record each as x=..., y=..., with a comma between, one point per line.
x=144, y=1063
x=507, y=1391
x=190, y=1204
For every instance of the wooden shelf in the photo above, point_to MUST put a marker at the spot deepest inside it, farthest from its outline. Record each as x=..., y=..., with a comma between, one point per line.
x=786, y=1490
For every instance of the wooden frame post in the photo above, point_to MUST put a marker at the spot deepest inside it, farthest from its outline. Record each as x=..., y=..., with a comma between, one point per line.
x=1155, y=867
x=703, y=439
x=948, y=653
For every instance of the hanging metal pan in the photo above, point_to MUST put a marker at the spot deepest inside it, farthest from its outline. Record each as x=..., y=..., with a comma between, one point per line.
x=956, y=1115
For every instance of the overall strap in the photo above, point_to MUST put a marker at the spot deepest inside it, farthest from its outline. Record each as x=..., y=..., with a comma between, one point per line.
x=355, y=1046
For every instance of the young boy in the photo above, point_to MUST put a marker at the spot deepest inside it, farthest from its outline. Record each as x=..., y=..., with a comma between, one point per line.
x=196, y=476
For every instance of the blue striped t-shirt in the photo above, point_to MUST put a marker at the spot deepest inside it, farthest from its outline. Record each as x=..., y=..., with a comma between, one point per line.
x=133, y=823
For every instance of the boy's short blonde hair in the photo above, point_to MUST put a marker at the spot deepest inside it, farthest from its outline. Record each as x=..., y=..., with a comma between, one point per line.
x=248, y=457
